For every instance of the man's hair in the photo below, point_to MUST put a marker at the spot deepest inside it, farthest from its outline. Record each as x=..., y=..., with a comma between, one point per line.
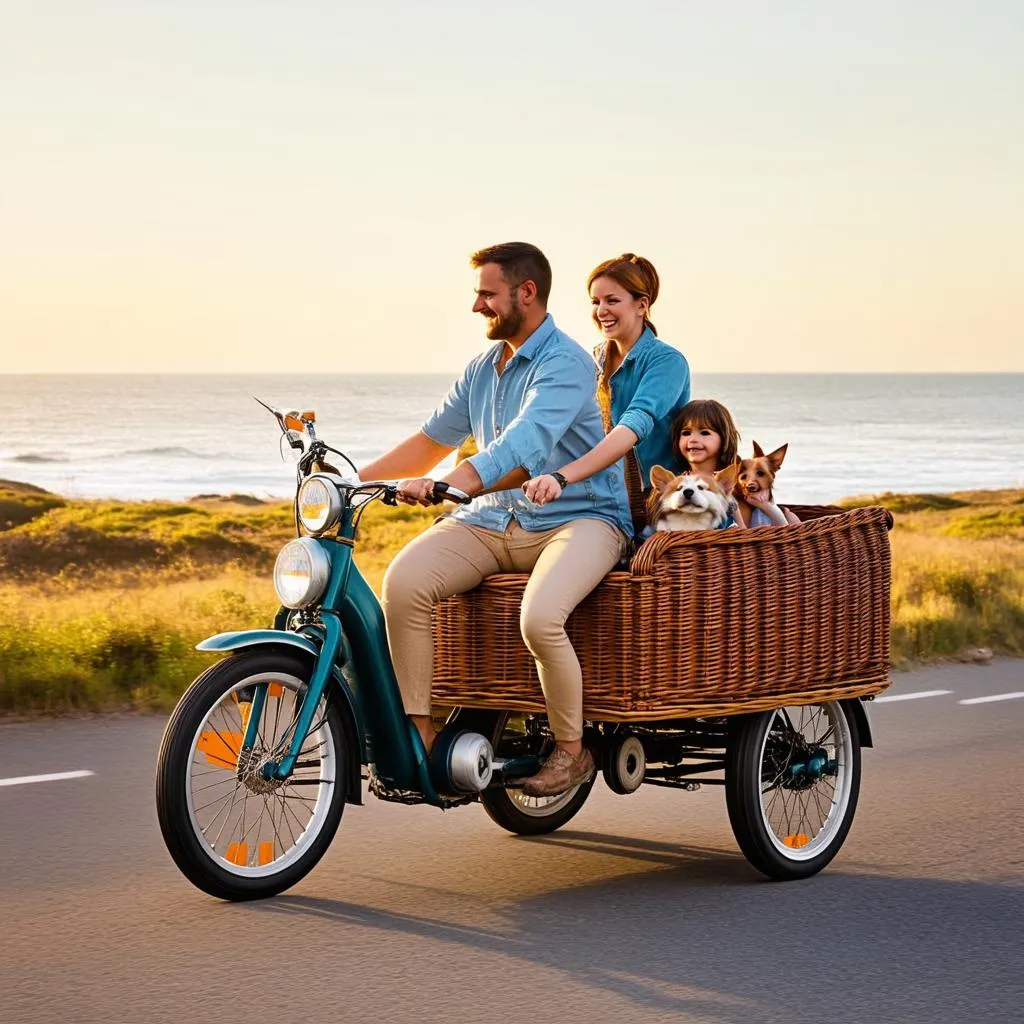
x=519, y=262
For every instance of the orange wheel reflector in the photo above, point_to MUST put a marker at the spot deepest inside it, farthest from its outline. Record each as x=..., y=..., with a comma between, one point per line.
x=238, y=853
x=797, y=840
x=275, y=690
x=221, y=748
x=266, y=853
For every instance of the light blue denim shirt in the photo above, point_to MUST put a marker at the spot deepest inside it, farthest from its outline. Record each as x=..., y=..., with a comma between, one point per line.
x=648, y=389
x=540, y=413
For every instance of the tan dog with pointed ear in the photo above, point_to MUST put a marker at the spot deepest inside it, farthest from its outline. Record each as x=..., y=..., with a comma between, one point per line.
x=691, y=501
x=755, y=479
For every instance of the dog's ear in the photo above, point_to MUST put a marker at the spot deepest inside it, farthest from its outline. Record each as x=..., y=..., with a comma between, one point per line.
x=728, y=478
x=775, y=458
x=661, y=477
x=758, y=453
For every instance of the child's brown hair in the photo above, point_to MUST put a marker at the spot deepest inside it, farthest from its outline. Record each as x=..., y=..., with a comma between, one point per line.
x=707, y=413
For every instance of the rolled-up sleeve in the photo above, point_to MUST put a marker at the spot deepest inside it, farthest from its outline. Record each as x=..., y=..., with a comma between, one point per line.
x=664, y=386
x=449, y=424
x=549, y=408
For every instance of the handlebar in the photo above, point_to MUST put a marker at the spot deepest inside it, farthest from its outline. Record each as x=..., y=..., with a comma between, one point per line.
x=449, y=493
x=442, y=492
x=296, y=426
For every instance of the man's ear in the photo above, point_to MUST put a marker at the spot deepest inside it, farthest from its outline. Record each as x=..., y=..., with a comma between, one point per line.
x=775, y=458
x=728, y=478
x=758, y=453
x=661, y=478
x=529, y=292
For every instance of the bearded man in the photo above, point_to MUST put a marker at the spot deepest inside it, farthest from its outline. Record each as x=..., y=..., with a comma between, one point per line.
x=530, y=403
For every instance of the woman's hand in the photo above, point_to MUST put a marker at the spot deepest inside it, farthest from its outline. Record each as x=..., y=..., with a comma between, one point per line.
x=419, y=491
x=542, y=489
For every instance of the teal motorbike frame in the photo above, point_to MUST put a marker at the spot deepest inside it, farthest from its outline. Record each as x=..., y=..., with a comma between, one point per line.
x=349, y=639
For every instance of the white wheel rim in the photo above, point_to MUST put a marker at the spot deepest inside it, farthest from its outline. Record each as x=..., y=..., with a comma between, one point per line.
x=258, y=834
x=802, y=819
x=532, y=806
x=540, y=806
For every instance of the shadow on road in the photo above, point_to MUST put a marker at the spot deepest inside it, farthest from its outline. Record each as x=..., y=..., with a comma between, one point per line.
x=678, y=936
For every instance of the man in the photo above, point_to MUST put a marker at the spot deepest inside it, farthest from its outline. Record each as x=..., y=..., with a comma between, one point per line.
x=529, y=402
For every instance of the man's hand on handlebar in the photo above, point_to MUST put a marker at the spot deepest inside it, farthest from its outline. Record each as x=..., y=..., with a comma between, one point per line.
x=424, y=491
x=418, y=491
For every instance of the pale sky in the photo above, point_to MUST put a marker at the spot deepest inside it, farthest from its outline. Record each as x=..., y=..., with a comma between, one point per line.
x=231, y=186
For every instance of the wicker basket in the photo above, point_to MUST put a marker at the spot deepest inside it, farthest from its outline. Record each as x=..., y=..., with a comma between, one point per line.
x=702, y=624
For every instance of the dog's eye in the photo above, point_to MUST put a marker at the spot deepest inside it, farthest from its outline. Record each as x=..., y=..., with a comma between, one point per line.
x=760, y=472
x=701, y=487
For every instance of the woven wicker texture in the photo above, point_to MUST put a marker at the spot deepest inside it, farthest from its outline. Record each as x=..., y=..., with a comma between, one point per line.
x=704, y=623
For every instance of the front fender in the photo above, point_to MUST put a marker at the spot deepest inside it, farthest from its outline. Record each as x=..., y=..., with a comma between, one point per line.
x=240, y=638
x=225, y=643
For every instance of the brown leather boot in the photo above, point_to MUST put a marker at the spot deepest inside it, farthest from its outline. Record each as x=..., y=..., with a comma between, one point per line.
x=561, y=771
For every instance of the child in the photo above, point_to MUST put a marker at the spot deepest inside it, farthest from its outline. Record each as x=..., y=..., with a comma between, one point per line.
x=705, y=437
x=704, y=440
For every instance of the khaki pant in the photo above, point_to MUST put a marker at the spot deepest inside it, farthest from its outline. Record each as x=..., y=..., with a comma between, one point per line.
x=564, y=563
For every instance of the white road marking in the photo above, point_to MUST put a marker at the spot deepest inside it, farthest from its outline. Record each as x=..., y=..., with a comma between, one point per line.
x=993, y=697
x=911, y=696
x=24, y=780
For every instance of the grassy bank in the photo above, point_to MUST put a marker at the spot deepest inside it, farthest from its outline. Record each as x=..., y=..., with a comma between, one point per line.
x=102, y=602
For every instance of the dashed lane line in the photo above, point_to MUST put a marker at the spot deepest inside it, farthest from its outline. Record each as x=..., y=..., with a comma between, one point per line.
x=25, y=780
x=993, y=697
x=890, y=698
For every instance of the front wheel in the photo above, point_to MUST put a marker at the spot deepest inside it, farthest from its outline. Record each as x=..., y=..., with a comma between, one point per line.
x=232, y=832
x=514, y=735
x=792, y=778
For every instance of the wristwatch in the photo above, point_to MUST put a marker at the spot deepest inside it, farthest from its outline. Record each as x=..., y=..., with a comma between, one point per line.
x=562, y=482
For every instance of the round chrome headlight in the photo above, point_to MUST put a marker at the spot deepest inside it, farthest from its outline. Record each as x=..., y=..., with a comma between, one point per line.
x=301, y=573
x=319, y=503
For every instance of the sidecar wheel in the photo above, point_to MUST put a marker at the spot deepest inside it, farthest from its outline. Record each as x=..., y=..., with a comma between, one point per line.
x=792, y=779
x=232, y=833
x=511, y=808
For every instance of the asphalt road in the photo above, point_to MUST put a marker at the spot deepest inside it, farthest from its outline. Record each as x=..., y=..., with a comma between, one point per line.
x=642, y=909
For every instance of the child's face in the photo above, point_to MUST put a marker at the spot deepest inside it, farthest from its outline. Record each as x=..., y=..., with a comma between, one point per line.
x=700, y=446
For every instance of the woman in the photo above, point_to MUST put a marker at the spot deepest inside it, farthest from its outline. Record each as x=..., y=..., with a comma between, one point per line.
x=642, y=383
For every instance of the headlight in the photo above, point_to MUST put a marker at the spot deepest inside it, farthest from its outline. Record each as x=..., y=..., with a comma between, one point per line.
x=301, y=573
x=319, y=503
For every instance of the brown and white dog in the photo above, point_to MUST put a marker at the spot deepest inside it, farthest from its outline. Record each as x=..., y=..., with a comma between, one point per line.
x=691, y=501
x=754, y=497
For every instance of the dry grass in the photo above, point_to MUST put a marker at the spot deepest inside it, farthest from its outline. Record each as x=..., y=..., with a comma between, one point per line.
x=102, y=602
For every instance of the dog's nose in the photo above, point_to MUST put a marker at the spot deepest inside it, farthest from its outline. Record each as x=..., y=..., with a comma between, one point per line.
x=688, y=492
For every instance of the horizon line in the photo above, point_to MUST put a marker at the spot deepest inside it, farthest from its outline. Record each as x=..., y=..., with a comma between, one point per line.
x=457, y=372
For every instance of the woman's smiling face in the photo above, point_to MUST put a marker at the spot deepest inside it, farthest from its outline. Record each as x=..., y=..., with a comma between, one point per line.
x=617, y=314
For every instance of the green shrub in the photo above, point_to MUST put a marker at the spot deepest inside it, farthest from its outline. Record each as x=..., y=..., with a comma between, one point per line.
x=902, y=503
x=992, y=522
x=18, y=507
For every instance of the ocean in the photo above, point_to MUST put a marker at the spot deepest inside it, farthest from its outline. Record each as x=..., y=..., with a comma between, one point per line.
x=175, y=436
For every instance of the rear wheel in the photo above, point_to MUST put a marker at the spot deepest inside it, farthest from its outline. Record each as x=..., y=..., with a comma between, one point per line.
x=232, y=832
x=518, y=735
x=792, y=779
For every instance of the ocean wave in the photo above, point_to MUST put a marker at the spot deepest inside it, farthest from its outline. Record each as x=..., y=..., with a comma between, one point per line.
x=35, y=459
x=171, y=451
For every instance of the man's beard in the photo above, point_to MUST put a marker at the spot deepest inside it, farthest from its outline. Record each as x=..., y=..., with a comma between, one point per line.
x=506, y=325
